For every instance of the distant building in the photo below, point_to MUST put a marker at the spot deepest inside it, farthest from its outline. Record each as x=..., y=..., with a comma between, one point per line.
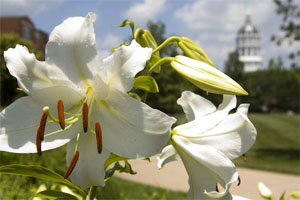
x=248, y=45
x=25, y=28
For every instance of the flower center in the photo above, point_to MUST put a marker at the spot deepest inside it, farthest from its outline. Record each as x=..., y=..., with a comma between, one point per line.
x=83, y=112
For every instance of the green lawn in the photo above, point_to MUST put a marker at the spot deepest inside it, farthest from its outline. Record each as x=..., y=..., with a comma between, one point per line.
x=276, y=149
x=277, y=146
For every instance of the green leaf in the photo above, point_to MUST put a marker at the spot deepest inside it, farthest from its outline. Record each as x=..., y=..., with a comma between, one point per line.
x=112, y=159
x=294, y=195
x=52, y=195
x=37, y=172
x=146, y=83
x=127, y=22
x=282, y=196
x=117, y=167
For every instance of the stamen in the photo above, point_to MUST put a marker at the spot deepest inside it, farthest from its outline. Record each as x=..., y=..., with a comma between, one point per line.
x=245, y=158
x=38, y=142
x=217, y=189
x=239, y=181
x=61, y=115
x=98, y=136
x=85, y=114
x=40, y=133
x=41, y=129
x=72, y=165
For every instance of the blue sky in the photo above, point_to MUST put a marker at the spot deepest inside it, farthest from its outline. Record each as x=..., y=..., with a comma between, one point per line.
x=211, y=23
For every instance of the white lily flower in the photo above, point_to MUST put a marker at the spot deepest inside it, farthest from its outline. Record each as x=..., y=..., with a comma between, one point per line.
x=208, y=143
x=96, y=116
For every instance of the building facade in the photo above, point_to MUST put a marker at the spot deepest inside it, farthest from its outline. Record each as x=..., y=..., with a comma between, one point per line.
x=25, y=28
x=248, y=45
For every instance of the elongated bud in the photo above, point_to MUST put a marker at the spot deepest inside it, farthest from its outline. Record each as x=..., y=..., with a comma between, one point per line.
x=206, y=77
x=98, y=137
x=61, y=115
x=239, y=181
x=245, y=158
x=264, y=191
x=85, y=115
x=72, y=165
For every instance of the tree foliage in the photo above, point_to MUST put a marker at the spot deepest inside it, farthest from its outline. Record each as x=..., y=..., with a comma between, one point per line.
x=290, y=26
x=233, y=66
x=8, y=84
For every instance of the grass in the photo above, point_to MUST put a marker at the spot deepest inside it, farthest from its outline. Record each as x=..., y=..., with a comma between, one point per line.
x=276, y=149
x=277, y=146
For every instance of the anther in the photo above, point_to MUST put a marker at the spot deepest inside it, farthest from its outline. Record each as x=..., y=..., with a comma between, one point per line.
x=217, y=189
x=72, y=165
x=61, y=115
x=245, y=158
x=98, y=137
x=41, y=129
x=85, y=113
x=40, y=133
x=239, y=181
x=38, y=142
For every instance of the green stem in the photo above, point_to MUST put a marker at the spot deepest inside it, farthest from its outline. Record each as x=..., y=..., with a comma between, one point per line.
x=92, y=193
x=167, y=42
x=160, y=62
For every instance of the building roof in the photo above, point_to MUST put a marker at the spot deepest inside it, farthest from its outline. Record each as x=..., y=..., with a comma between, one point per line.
x=248, y=27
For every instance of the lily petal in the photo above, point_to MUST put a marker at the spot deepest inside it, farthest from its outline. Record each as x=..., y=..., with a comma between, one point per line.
x=19, y=124
x=131, y=128
x=195, y=106
x=30, y=73
x=89, y=169
x=233, y=136
x=206, y=166
x=206, y=122
x=50, y=95
x=124, y=64
x=72, y=47
x=168, y=154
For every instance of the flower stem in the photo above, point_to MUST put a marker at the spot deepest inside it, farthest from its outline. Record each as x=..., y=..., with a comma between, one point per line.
x=92, y=193
x=167, y=42
x=160, y=62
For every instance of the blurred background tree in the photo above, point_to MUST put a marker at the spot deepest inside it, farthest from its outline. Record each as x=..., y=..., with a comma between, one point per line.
x=290, y=26
x=8, y=84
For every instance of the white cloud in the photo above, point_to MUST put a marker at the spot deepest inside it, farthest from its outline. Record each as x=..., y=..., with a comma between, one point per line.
x=147, y=10
x=26, y=7
x=104, y=44
x=109, y=41
x=214, y=24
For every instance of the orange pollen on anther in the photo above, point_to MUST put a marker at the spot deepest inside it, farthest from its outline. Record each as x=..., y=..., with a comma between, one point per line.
x=40, y=133
x=72, y=164
x=98, y=136
x=239, y=181
x=245, y=158
x=85, y=114
x=61, y=115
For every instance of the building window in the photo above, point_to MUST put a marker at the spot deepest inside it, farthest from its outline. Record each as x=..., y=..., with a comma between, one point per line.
x=26, y=32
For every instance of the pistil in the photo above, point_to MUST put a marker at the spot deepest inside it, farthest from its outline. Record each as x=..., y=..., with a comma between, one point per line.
x=72, y=165
x=85, y=114
x=61, y=115
x=98, y=137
